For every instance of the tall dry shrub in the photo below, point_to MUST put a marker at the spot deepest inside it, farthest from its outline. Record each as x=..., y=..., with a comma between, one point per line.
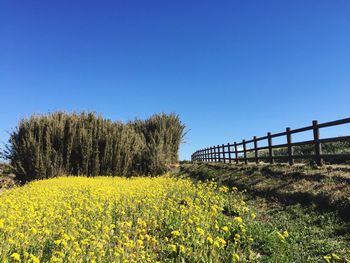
x=163, y=135
x=44, y=146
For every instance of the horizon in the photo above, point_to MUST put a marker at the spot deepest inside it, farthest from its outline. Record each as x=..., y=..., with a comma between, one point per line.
x=230, y=71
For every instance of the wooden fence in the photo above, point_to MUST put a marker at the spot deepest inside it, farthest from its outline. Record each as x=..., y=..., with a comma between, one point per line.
x=237, y=152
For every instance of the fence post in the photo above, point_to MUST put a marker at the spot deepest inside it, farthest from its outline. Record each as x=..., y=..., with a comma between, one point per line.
x=223, y=153
x=318, y=149
x=269, y=141
x=215, y=157
x=256, y=150
x=229, y=152
x=245, y=152
x=236, y=153
x=219, y=157
x=290, y=147
x=210, y=152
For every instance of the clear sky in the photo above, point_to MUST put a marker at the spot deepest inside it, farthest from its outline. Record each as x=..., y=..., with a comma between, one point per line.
x=230, y=69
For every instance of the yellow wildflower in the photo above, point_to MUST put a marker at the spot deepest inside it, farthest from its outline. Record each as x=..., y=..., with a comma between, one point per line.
x=34, y=259
x=182, y=248
x=172, y=248
x=238, y=219
x=200, y=231
x=175, y=233
x=225, y=228
x=16, y=257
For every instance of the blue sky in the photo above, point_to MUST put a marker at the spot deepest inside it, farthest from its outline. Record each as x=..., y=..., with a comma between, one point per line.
x=230, y=69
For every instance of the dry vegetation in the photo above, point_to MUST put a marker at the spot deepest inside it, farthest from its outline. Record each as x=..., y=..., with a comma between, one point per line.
x=328, y=187
x=45, y=146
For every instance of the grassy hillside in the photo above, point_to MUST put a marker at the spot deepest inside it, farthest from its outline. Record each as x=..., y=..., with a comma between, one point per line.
x=327, y=187
x=310, y=203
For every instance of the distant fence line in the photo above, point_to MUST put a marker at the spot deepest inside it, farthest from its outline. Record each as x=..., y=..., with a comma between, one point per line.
x=231, y=152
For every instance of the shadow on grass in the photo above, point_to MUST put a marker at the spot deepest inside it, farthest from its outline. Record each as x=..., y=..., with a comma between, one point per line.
x=327, y=189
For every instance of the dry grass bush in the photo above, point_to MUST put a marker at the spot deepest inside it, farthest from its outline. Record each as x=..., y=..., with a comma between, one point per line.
x=45, y=146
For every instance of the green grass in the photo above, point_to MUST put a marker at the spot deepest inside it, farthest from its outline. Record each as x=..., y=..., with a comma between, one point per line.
x=317, y=232
x=312, y=235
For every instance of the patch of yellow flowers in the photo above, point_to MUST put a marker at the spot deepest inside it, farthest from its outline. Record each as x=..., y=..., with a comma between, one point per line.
x=114, y=219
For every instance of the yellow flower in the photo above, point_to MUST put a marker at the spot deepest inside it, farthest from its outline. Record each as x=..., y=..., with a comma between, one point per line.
x=200, y=231
x=238, y=219
x=139, y=242
x=210, y=240
x=253, y=215
x=182, y=248
x=34, y=259
x=223, y=189
x=57, y=242
x=172, y=248
x=20, y=235
x=237, y=258
x=225, y=228
x=16, y=257
x=281, y=236
x=175, y=233
x=327, y=258
x=220, y=242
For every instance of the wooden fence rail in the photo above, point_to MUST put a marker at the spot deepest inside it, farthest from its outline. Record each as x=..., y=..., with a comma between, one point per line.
x=238, y=151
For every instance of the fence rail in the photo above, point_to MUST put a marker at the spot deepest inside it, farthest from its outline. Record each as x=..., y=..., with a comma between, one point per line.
x=236, y=152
